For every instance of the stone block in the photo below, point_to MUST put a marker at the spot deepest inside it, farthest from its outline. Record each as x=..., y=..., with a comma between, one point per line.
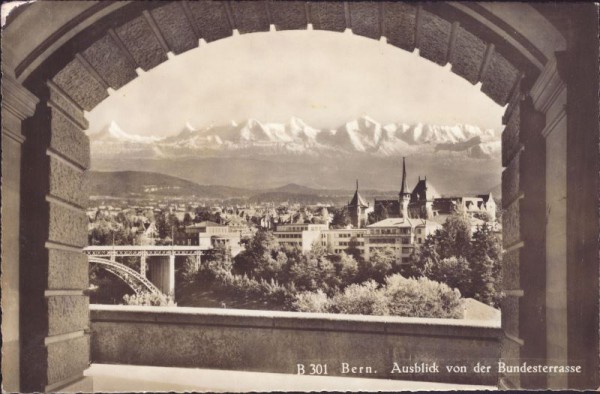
x=510, y=270
x=328, y=15
x=288, y=15
x=67, y=139
x=250, y=16
x=364, y=17
x=399, y=24
x=511, y=186
x=211, y=19
x=511, y=144
x=499, y=79
x=67, y=314
x=175, y=27
x=73, y=111
x=511, y=224
x=511, y=353
x=110, y=62
x=142, y=43
x=510, y=315
x=67, y=226
x=68, y=359
x=67, y=270
x=67, y=183
x=80, y=85
x=434, y=37
x=467, y=55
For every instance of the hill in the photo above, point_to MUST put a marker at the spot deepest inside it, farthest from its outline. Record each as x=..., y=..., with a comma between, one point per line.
x=140, y=183
x=127, y=184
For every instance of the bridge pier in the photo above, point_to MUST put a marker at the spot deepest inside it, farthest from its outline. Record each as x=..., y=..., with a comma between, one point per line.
x=162, y=273
x=143, y=263
x=198, y=261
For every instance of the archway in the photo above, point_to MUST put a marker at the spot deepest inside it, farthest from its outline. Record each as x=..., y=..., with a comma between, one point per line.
x=94, y=47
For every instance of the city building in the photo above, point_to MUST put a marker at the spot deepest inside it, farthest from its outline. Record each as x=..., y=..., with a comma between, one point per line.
x=209, y=235
x=401, y=234
x=302, y=235
x=357, y=209
x=338, y=240
x=425, y=202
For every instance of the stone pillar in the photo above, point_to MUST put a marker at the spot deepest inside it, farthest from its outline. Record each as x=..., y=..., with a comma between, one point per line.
x=512, y=194
x=54, y=271
x=17, y=105
x=198, y=261
x=162, y=273
x=143, y=263
x=578, y=67
x=171, y=291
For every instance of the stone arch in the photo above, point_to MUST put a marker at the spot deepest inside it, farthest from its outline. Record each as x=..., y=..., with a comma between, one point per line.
x=510, y=48
x=144, y=40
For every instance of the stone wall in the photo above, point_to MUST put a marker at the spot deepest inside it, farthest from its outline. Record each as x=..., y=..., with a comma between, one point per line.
x=268, y=341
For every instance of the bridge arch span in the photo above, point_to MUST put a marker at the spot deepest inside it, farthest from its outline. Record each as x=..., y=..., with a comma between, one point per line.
x=133, y=279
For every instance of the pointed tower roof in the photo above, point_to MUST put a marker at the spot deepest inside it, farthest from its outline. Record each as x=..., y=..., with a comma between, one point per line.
x=357, y=200
x=404, y=187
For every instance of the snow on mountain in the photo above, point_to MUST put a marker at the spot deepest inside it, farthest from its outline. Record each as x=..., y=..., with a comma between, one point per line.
x=114, y=133
x=359, y=136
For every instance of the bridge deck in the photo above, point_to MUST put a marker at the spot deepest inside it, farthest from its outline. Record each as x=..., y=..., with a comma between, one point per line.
x=144, y=250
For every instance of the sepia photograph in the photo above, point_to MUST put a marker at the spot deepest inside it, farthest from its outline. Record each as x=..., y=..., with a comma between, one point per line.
x=273, y=195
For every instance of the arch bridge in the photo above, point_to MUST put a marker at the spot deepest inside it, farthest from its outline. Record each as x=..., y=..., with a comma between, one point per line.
x=138, y=283
x=157, y=264
x=540, y=60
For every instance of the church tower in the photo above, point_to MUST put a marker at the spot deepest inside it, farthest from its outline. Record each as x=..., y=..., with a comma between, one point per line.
x=357, y=208
x=404, y=195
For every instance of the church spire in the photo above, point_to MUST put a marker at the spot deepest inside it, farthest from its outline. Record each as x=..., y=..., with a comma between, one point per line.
x=403, y=187
x=404, y=196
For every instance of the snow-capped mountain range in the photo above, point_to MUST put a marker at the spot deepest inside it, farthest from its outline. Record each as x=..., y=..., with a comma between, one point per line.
x=362, y=136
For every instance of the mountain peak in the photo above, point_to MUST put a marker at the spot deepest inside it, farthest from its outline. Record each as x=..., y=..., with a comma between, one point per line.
x=189, y=127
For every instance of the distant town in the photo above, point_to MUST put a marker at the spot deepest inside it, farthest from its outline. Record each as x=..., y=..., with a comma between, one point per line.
x=379, y=236
x=400, y=223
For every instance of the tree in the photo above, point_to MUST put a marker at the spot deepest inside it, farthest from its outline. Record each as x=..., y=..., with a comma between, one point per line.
x=422, y=298
x=353, y=249
x=187, y=219
x=346, y=268
x=204, y=214
x=364, y=299
x=455, y=239
x=452, y=256
x=453, y=271
x=107, y=231
x=380, y=264
x=258, y=258
x=485, y=257
x=341, y=218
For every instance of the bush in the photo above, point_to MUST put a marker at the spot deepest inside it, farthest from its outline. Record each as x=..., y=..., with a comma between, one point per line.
x=453, y=271
x=309, y=301
x=399, y=297
x=422, y=298
x=148, y=299
x=365, y=299
x=250, y=288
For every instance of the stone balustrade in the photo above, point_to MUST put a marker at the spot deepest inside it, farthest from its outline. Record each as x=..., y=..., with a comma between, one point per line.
x=268, y=341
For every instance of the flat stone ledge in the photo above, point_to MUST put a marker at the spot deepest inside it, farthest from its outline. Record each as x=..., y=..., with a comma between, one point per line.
x=129, y=378
x=296, y=320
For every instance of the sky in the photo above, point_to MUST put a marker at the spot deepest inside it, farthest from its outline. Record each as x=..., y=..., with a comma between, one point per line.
x=324, y=78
